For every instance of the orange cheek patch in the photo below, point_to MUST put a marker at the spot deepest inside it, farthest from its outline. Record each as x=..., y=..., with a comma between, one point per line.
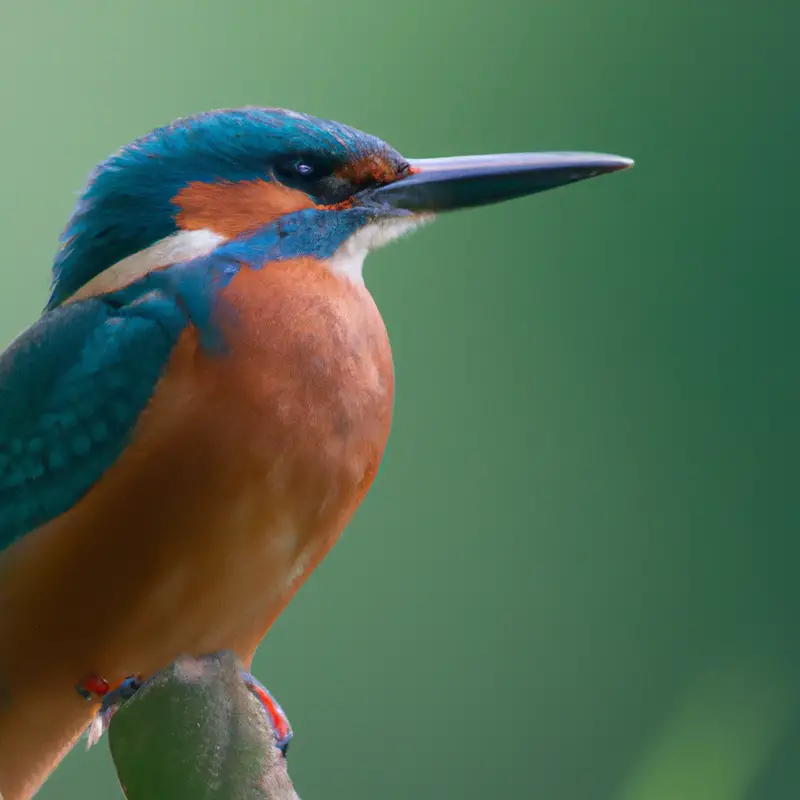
x=369, y=169
x=231, y=209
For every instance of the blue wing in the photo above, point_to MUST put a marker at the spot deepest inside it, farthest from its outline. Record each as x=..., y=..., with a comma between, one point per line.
x=72, y=387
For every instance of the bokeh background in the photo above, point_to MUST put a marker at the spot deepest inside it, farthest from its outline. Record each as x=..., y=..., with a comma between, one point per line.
x=576, y=574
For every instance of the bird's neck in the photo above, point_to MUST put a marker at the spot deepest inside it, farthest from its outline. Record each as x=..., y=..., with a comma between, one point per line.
x=340, y=239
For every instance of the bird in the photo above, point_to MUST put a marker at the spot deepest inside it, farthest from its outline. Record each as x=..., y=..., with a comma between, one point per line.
x=205, y=400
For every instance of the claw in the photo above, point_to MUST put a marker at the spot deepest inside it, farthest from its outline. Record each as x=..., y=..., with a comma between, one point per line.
x=110, y=703
x=277, y=716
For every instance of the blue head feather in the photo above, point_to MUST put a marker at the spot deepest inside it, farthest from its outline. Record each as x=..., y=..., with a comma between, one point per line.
x=127, y=203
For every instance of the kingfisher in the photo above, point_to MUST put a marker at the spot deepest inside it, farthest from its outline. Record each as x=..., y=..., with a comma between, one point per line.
x=204, y=401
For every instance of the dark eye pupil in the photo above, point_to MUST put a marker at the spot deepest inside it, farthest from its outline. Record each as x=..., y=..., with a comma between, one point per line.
x=302, y=170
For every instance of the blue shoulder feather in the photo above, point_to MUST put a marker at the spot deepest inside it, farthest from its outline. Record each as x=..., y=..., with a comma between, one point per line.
x=73, y=386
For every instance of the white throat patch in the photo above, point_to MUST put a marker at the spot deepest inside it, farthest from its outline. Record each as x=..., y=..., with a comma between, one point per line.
x=180, y=246
x=348, y=260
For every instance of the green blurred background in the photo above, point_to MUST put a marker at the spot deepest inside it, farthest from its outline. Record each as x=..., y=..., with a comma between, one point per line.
x=575, y=575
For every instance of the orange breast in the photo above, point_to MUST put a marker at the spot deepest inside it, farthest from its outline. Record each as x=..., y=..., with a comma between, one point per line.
x=244, y=470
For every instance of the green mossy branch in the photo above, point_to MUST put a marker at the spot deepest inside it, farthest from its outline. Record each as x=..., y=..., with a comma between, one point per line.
x=196, y=732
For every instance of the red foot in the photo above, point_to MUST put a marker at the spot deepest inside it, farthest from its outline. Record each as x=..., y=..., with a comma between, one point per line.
x=93, y=687
x=280, y=723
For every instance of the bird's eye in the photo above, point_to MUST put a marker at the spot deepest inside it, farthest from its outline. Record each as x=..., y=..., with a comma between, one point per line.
x=304, y=168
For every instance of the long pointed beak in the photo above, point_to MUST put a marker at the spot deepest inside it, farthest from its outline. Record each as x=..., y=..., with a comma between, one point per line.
x=445, y=184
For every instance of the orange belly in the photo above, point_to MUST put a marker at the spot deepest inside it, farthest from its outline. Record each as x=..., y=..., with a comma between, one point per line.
x=244, y=470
